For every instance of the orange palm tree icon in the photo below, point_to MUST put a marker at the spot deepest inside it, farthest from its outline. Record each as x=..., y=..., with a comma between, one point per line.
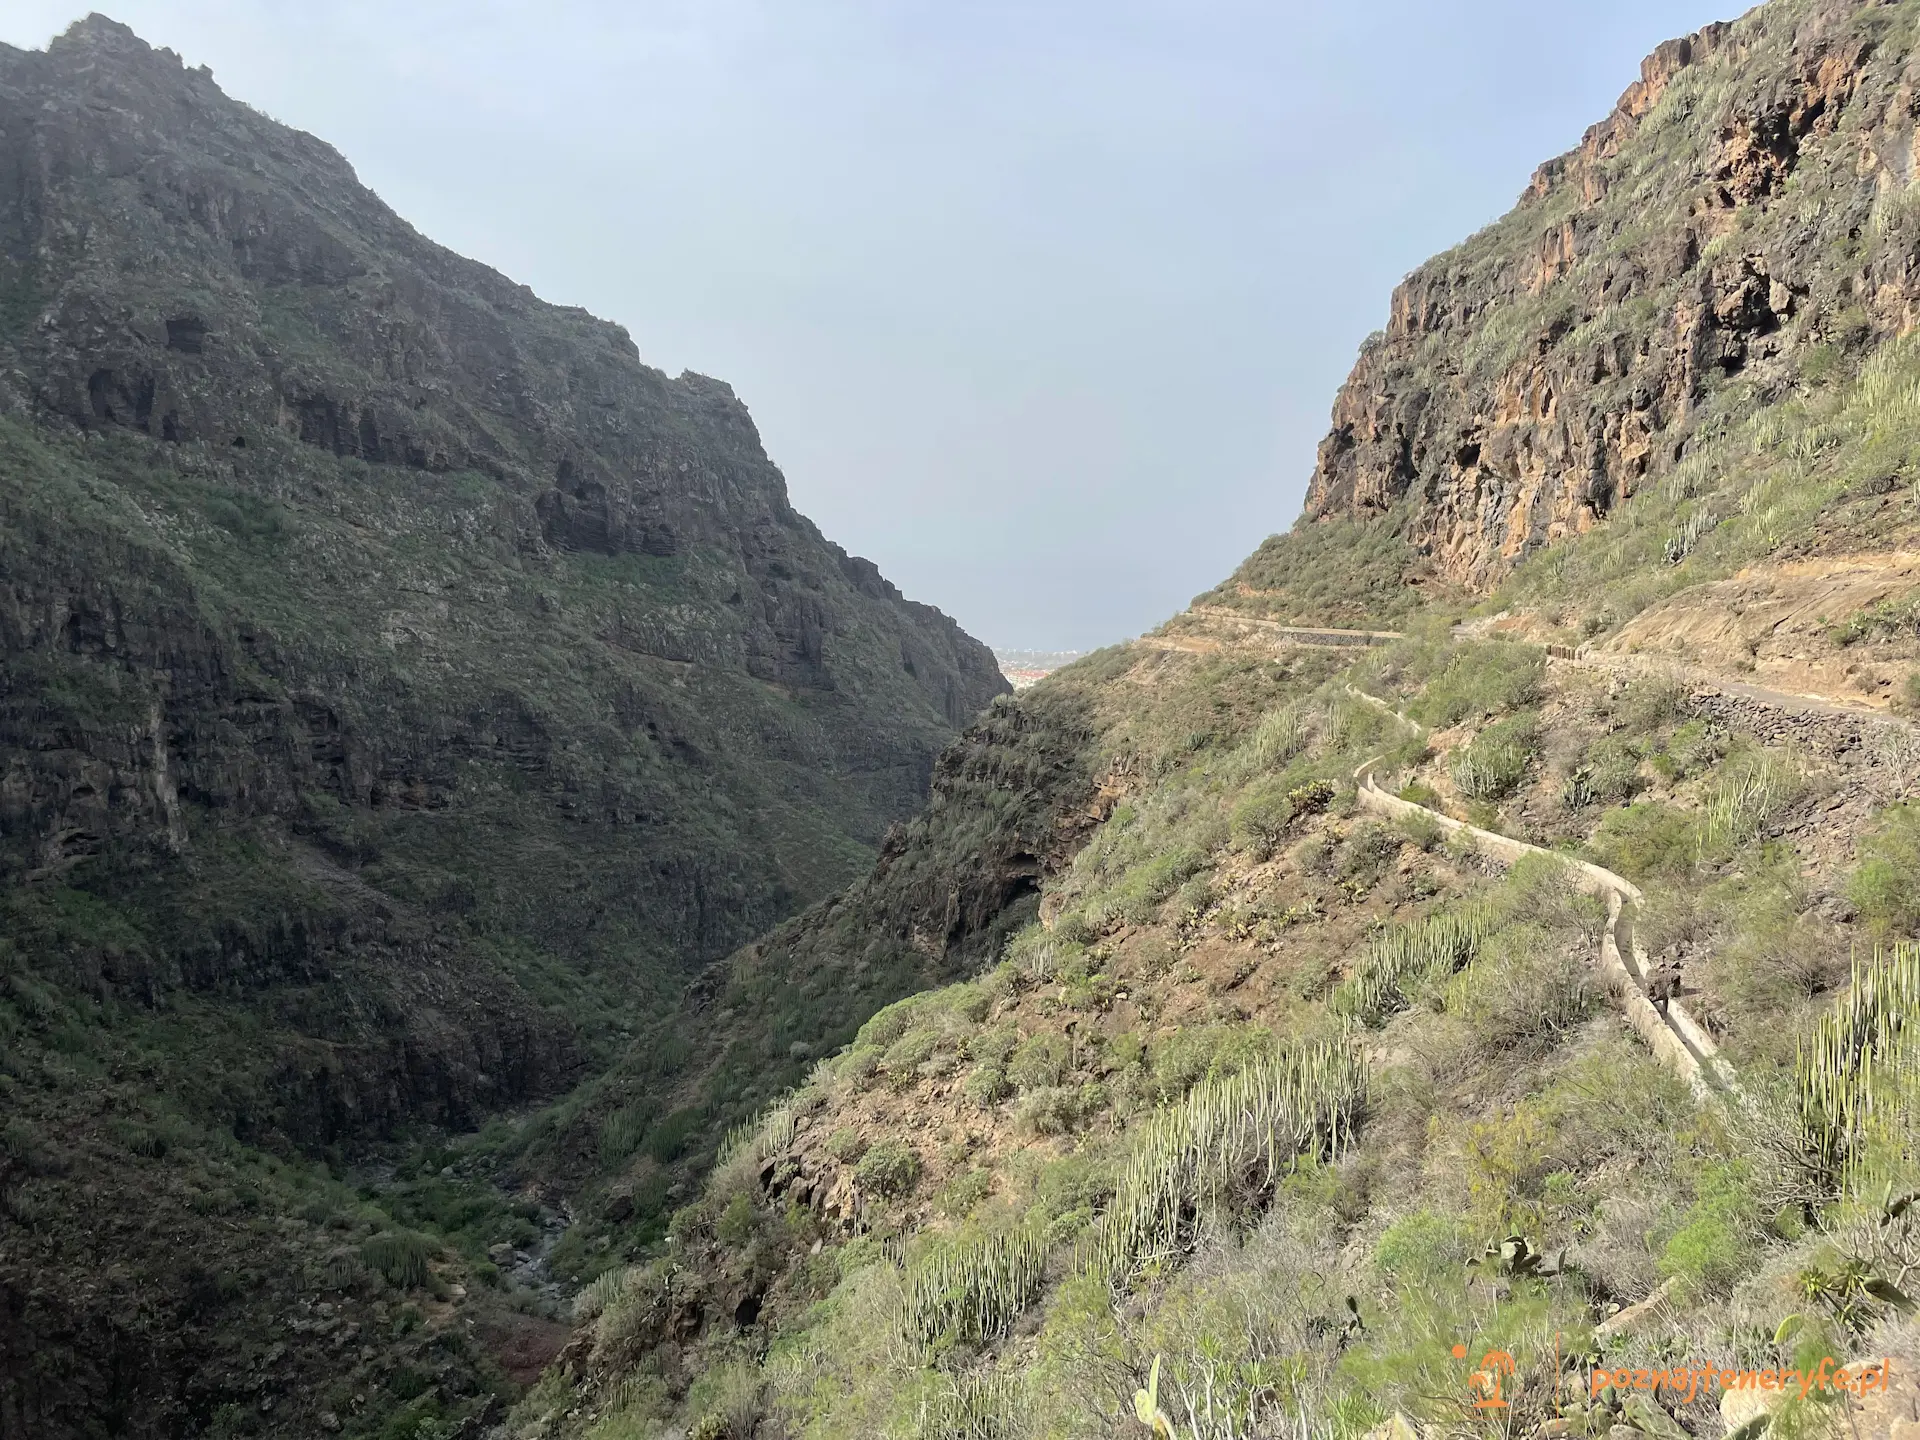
x=1485, y=1383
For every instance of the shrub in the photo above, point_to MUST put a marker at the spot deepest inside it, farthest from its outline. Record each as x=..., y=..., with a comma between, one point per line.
x=846, y=1145
x=911, y=1049
x=1040, y=1060
x=1529, y=989
x=1645, y=839
x=1695, y=748
x=1420, y=794
x=1493, y=766
x=1710, y=1250
x=1482, y=679
x=1049, y=1110
x=889, y=1168
x=736, y=1223
x=1312, y=797
x=1608, y=773
x=1652, y=702
x=960, y=1194
x=1423, y=831
x=1885, y=886
x=667, y=1139
x=1261, y=817
x=1423, y=1246
x=987, y=1085
x=1368, y=851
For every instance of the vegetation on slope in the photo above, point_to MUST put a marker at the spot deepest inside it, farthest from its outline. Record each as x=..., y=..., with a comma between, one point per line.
x=914, y=1242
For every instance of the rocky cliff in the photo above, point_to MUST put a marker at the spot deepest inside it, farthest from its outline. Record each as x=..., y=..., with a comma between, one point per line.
x=403, y=691
x=1742, y=217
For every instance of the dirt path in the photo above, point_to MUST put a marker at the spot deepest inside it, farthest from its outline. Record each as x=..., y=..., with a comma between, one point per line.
x=1790, y=702
x=1670, y=1032
x=1697, y=679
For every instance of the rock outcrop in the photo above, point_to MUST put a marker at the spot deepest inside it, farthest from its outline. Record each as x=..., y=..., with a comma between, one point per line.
x=1745, y=203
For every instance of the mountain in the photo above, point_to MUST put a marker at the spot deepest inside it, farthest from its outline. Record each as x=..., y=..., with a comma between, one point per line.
x=1734, y=236
x=404, y=692
x=1479, y=944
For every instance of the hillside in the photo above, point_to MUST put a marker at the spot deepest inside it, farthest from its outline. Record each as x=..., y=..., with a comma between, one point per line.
x=1506, y=997
x=404, y=693
x=1680, y=313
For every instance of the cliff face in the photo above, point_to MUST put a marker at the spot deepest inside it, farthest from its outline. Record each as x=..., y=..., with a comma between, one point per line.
x=1746, y=202
x=313, y=524
x=403, y=691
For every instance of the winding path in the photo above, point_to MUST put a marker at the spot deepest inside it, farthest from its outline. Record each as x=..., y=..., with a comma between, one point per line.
x=1670, y=1032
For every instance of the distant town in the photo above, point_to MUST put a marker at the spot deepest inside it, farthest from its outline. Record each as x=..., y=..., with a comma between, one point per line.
x=1023, y=667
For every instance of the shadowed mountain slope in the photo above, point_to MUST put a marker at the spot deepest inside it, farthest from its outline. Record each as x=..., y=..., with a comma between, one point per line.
x=403, y=690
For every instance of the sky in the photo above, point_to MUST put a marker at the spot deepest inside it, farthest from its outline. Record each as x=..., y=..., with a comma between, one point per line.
x=1039, y=304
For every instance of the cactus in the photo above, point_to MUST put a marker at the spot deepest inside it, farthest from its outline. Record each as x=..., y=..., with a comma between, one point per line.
x=767, y=1135
x=1225, y=1146
x=1146, y=1406
x=1855, y=1076
x=985, y=1406
x=1490, y=769
x=1407, y=956
x=974, y=1289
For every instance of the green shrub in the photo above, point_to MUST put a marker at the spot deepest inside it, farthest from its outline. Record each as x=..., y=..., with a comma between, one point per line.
x=1695, y=748
x=1482, y=679
x=737, y=1222
x=1608, y=774
x=1494, y=764
x=1644, y=840
x=668, y=1138
x=1885, y=885
x=1368, y=851
x=911, y=1050
x=1422, y=831
x=888, y=1168
x=846, y=1144
x=1713, y=1246
x=987, y=1085
x=1057, y=1109
x=964, y=1191
x=1651, y=702
x=1419, y=793
x=1260, y=817
x=1040, y=1061
x=1422, y=1247
x=1893, y=618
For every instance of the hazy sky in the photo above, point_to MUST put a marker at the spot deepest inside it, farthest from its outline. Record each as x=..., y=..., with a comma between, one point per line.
x=1041, y=304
